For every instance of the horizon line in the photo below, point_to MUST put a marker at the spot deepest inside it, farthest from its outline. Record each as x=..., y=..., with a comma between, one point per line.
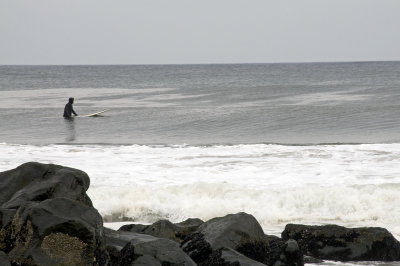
x=175, y=64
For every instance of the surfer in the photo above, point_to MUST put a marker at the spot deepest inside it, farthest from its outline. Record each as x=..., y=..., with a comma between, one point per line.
x=68, y=110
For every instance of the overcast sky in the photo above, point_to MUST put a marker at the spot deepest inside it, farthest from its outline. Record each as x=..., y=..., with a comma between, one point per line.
x=202, y=31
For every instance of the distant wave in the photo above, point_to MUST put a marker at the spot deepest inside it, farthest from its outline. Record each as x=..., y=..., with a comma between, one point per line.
x=354, y=205
x=158, y=145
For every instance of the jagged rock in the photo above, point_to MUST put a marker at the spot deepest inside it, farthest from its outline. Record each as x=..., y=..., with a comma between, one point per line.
x=333, y=242
x=117, y=240
x=54, y=221
x=165, y=251
x=165, y=229
x=242, y=233
x=215, y=259
x=35, y=182
x=134, y=228
x=274, y=251
x=196, y=246
x=4, y=261
x=231, y=231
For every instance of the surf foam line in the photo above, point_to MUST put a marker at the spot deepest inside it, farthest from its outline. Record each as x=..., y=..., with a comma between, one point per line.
x=355, y=205
x=353, y=185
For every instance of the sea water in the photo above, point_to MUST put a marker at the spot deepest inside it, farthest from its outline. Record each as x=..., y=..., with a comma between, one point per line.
x=287, y=143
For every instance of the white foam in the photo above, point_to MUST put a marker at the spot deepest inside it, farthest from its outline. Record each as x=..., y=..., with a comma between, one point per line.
x=352, y=185
x=326, y=98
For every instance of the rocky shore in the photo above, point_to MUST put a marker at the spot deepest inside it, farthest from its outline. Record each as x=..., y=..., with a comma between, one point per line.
x=46, y=218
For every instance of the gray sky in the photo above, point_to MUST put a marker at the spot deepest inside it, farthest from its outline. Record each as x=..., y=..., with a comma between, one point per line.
x=202, y=31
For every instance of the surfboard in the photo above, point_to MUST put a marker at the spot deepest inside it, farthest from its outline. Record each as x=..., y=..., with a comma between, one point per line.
x=94, y=114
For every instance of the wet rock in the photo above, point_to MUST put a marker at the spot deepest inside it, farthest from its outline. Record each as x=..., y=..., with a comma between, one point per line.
x=54, y=231
x=53, y=220
x=242, y=233
x=231, y=231
x=166, y=252
x=333, y=242
x=215, y=259
x=35, y=182
x=117, y=240
x=196, y=246
x=231, y=256
x=274, y=251
x=165, y=229
x=134, y=228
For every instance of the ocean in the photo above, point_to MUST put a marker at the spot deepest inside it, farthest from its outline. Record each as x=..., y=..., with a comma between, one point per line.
x=311, y=143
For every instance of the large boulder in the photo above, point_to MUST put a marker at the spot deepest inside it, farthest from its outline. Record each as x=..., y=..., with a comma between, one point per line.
x=129, y=248
x=47, y=218
x=231, y=231
x=35, y=182
x=165, y=229
x=117, y=240
x=239, y=232
x=144, y=248
x=274, y=251
x=333, y=242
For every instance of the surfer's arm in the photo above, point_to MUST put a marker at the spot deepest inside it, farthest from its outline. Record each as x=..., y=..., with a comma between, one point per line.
x=74, y=112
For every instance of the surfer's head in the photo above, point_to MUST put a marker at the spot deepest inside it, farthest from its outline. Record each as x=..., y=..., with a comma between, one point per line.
x=71, y=100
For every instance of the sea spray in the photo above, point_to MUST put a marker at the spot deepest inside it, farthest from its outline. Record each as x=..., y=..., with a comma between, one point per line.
x=351, y=185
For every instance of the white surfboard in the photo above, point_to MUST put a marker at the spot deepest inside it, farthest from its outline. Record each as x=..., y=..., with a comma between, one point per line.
x=93, y=114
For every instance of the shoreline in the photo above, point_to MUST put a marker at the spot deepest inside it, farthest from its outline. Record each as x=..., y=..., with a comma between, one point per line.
x=45, y=205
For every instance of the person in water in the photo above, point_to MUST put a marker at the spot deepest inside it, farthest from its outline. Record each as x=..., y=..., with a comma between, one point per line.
x=69, y=110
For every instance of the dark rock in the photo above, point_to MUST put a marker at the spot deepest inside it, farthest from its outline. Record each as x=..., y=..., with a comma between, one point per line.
x=231, y=256
x=36, y=182
x=146, y=260
x=187, y=227
x=240, y=232
x=274, y=251
x=4, y=261
x=165, y=229
x=6, y=216
x=162, y=229
x=119, y=239
x=53, y=220
x=165, y=251
x=215, y=259
x=134, y=228
x=231, y=231
x=291, y=254
x=116, y=240
x=55, y=231
x=191, y=223
x=130, y=248
x=333, y=242
x=197, y=247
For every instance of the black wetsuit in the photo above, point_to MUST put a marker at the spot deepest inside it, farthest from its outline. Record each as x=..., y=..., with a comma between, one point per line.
x=68, y=110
